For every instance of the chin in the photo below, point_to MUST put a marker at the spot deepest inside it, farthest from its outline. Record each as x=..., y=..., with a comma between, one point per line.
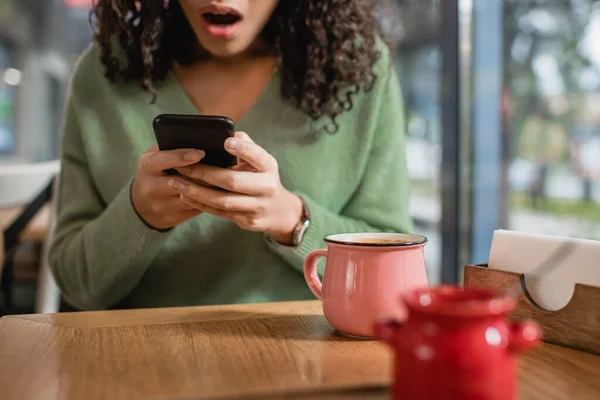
x=225, y=50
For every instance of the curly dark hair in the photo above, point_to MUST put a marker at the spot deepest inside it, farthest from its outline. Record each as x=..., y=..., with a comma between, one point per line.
x=326, y=48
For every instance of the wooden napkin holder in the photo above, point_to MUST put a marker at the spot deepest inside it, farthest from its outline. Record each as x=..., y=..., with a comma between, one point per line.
x=576, y=326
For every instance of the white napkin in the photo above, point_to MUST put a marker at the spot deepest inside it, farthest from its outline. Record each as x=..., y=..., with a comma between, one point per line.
x=524, y=252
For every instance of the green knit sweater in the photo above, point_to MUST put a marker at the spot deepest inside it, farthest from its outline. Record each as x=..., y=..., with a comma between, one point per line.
x=104, y=256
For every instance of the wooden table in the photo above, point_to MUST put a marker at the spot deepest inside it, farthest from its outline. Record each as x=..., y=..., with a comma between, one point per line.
x=224, y=352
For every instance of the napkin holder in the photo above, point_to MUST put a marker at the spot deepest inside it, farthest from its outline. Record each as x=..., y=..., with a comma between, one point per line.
x=576, y=326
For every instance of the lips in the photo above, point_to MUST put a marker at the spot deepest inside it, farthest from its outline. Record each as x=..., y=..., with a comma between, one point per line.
x=220, y=21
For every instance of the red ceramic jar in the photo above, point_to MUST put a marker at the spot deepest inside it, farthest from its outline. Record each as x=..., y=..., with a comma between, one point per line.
x=457, y=344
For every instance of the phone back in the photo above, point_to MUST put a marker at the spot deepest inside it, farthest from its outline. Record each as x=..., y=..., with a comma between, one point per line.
x=207, y=133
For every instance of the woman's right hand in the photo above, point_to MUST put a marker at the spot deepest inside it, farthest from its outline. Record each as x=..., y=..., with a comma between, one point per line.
x=155, y=201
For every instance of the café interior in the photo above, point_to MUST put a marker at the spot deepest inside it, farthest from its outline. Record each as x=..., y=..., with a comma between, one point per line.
x=502, y=121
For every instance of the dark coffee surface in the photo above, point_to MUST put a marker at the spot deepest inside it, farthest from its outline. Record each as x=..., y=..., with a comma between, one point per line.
x=380, y=241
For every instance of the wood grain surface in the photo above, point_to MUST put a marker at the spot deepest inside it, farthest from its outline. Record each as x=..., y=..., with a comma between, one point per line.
x=577, y=325
x=261, y=351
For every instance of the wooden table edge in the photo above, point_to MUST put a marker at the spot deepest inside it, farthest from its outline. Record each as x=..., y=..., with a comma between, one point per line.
x=169, y=315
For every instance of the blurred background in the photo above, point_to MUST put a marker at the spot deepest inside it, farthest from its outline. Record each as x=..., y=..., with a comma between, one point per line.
x=502, y=103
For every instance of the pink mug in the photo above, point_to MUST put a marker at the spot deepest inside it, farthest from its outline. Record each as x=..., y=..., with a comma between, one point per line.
x=365, y=273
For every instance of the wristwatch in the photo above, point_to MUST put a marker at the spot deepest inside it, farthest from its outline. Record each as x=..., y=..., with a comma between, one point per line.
x=302, y=226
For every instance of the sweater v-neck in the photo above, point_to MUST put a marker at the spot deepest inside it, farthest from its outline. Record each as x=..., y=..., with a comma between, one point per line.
x=173, y=91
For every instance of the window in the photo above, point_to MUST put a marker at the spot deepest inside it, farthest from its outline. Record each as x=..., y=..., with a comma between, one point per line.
x=536, y=72
x=9, y=79
x=552, y=92
x=418, y=64
x=36, y=59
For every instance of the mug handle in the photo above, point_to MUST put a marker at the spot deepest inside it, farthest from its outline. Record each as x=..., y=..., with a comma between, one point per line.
x=310, y=272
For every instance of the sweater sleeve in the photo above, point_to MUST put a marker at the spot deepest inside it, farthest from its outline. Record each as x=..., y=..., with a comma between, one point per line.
x=100, y=252
x=381, y=202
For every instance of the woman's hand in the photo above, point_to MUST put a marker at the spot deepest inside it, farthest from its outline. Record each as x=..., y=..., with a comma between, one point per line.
x=250, y=194
x=151, y=194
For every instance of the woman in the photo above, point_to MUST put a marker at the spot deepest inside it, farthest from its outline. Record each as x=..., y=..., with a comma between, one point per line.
x=308, y=81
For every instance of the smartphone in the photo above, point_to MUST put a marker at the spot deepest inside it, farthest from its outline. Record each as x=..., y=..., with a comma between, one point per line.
x=202, y=132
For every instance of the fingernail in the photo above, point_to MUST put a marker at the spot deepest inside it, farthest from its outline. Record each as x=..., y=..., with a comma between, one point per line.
x=178, y=185
x=232, y=144
x=195, y=155
x=184, y=170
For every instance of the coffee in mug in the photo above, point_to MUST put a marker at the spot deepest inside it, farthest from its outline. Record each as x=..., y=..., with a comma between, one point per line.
x=380, y=242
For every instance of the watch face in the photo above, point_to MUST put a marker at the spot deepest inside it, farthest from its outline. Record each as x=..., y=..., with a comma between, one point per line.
x=300, y=231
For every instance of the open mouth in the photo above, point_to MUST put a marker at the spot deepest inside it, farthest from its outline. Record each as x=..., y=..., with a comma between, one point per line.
x=221, y=19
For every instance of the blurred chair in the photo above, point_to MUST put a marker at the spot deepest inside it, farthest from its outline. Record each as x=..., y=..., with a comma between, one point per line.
x=47, y=294
x=26, y=214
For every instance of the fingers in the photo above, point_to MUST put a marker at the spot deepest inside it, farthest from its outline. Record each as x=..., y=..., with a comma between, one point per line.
x=157, y=188
x=234, y=181
x=204, y=208
x=165, y=199
x=252, y=153
x=163, y=204
x=217, y=199
x=175, y=203
x=244, y=220
x=155, y=162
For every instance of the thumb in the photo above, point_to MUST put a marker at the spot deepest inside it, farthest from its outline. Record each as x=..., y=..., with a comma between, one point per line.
x=243, y=136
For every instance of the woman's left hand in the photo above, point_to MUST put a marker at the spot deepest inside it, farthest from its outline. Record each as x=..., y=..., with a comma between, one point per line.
x=253, y=196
